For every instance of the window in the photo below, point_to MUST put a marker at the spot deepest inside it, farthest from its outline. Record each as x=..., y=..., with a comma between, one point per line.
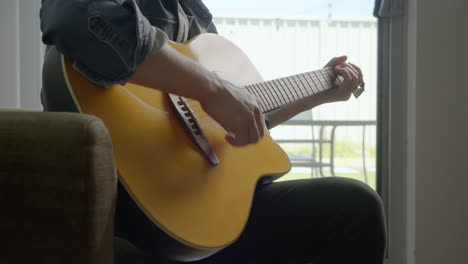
x=336, y=139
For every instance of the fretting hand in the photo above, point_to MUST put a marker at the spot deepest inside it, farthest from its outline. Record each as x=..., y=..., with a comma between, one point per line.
x=352, y=78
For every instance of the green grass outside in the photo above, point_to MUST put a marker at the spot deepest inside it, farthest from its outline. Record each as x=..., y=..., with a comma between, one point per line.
x=346, y=155
x=342, y=149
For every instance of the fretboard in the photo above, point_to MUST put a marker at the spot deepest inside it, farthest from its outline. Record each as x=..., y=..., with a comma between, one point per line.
x=275, y=93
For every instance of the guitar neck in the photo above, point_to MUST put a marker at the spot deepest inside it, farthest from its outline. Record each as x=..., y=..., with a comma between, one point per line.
x=275, y=93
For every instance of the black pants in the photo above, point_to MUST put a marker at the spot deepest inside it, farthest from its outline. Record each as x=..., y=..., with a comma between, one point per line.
x=320, y=221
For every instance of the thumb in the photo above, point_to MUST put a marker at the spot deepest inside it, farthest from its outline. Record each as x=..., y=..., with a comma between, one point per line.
x=336, y=61
x=231, y=138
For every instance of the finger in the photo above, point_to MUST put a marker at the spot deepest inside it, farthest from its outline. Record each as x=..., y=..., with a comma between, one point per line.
x=349, y=76
x=247, y=135
x=260, y=122
x=353, y=71
x=254, y=131
x=354, y=74
x=238, y=138
x=231, y=138
x=336, y=61
x=343, y=72
x=349, y=81
x=361, y=76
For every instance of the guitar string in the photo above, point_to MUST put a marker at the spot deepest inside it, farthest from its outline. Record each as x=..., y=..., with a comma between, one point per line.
x=264, y=108
x=208, y=121
x=270, y=87
x=300, y=88
x=200, y=114
x=259, y=90
x=289, y=95
x=273, y=97
x=279, y=88
x=205, y=121
x=306, y=84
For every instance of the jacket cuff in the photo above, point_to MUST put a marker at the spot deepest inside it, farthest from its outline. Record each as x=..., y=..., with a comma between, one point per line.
x=128, y=45
x=158, y=39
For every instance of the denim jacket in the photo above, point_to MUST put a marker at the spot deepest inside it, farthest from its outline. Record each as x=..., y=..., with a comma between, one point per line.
x=109, y=39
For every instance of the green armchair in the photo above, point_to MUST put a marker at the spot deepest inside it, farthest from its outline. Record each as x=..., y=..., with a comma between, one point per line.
x=57, y=189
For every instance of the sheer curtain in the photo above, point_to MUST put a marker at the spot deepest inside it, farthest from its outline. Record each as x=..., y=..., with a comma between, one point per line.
x=21, y=54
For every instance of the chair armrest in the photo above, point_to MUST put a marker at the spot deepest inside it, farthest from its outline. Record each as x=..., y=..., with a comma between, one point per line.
x=57, y=188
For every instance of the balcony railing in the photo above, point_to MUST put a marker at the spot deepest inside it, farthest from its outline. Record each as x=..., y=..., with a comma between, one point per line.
x=317, y=161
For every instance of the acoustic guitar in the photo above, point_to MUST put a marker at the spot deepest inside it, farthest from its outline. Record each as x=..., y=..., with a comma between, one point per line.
x=172, y=157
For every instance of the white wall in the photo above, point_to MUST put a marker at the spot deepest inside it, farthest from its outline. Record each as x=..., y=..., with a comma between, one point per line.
x=20, y=54
x=437, y=142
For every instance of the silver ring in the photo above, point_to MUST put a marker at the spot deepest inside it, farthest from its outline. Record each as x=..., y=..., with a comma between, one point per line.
x=359, y=90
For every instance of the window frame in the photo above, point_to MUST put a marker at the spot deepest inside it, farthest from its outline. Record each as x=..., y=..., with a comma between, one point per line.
x=396, y=128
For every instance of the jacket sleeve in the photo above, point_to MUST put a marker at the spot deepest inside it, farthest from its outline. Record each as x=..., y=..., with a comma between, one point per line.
x=107, y=39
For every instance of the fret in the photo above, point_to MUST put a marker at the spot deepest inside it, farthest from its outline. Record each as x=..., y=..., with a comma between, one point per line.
x=317, y=82
x=284, y=95
x=322, y=87
x=315, y=86
x=285, y=87
x=323, y=79
x=327, y=80
x=259, y=96
x=249, y=89
x=287, y=98
x=331, y=72
x=296, y=86
x=310, y=81
x=276, y=93
x=252, y=91
x=268, y=94
x=305, y=84
x=265, y=96
x=334, y=78
x=291, y=88
x=310, y=84
x=300, y=84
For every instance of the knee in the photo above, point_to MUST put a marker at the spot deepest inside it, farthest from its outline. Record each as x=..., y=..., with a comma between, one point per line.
x=362, y=197
x=367, y=209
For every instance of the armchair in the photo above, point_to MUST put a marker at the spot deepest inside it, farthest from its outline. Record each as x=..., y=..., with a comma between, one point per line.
x=57, y=189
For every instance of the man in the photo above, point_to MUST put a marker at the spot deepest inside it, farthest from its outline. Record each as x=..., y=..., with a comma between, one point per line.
x=330, y=220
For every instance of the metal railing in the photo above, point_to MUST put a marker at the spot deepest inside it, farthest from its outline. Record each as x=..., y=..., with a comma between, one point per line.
x=317, y=161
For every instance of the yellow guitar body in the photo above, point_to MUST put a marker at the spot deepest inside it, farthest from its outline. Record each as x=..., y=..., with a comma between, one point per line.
x=199, y=205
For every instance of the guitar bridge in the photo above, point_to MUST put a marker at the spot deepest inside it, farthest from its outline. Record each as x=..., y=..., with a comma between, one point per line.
x=193, y=129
